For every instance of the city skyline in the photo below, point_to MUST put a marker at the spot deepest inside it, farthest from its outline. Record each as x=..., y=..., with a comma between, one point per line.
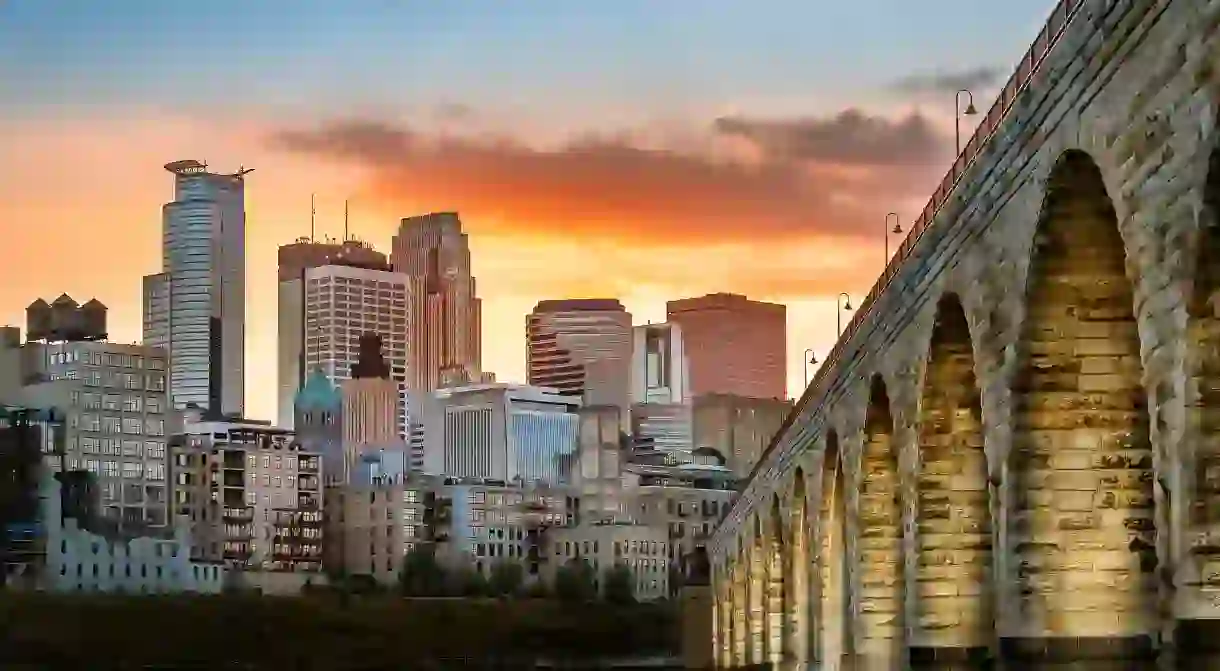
x=553, y=218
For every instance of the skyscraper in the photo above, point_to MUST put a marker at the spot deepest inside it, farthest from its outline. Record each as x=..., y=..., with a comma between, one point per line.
x=660, y=393
x=445, y=311
x=734, y=345
x=195, y=307
x=330, y=294
x=582, y=347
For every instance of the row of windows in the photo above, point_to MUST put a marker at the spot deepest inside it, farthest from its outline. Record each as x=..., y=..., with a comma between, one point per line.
x=116, y=425
x=116, y=402
x=127, y=469
x=149, y=449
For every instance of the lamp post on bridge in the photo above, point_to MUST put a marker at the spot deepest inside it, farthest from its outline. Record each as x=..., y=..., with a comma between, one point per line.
x=896, y=230
x=958, y=113
x=840, y=308
x=810, y=359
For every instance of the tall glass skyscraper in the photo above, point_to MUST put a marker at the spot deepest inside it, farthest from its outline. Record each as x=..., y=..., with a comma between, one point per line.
x=195, y=307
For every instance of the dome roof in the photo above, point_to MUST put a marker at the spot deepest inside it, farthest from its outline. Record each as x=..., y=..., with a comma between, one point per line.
x=318, y=393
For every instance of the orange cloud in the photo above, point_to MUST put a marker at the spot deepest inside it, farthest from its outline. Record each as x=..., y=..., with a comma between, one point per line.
x=790, y=179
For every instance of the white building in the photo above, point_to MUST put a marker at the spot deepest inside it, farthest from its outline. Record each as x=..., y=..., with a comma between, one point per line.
x=660, y=394
x=501, y=432
x=321, y=318
x=98, y=560
x=195, y=307
x=115, y=407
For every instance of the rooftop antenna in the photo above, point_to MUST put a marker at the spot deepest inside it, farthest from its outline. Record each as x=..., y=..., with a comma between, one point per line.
x=313, y=212
x=345, y=220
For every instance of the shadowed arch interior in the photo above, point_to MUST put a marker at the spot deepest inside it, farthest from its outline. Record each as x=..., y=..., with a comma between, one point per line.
x=1082, y=522
x=757, y=588
x=1204, y=395
x=796, y=574
x=776, y=593
x=833, y=644
x=953, y=516
x=879, y=531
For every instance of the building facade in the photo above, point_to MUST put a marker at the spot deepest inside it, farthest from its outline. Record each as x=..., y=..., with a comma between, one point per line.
x=582, y=347
x=319, y=422
x=446, y=344
x=330, y=294
x=252, y=494
x=195, y=307
x=660, y=372
x=640, y=548
x=734, y=345
x=116, y=413
x=82, y=556
x=739, y=428
x=502, y=432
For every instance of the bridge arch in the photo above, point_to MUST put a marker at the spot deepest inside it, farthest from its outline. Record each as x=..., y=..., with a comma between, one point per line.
x=797, y=570
x=756, y=587
x=953, y=539
x=879, y=534
x=832, y=641
x=1081, y=521
x=776, y=592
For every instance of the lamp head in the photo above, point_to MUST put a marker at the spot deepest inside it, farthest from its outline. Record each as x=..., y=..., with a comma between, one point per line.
x=970, y=110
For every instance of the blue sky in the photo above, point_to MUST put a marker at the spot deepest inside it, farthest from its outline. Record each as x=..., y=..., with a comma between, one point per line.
x=654, y=55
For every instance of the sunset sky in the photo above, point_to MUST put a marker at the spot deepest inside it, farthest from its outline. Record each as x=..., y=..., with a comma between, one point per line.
x=639, y=149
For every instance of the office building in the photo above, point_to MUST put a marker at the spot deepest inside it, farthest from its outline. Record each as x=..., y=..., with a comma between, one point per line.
x=371, y=407
x=445, y=310
x=252, y=494
x=502, y=432
x=734, y=345
x=195, y=307
x=470, y=524
x=115, y=406
x=582, y=347
x=736, y=427
x=329, y=295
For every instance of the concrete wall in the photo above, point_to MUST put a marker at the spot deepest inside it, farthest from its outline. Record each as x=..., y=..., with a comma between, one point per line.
x=1014, y=457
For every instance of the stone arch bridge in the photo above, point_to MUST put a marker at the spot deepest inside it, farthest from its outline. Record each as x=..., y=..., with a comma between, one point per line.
x=1012, y=457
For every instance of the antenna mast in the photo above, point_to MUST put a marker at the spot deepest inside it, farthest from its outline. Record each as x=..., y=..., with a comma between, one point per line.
x=313, y=212
x=345, y=220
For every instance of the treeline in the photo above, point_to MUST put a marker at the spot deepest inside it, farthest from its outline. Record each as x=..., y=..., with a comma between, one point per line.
x=323, y=632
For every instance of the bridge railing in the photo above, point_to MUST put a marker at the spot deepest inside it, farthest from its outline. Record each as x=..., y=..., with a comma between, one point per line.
x=1052, y=30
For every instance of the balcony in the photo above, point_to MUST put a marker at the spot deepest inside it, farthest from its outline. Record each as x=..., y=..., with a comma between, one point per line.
x=243, y=514
x=309, y=501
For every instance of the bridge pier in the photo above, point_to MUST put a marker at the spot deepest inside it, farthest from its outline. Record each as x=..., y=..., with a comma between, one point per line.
x=1197, y=645
x=1079, y=653
x=951, y=659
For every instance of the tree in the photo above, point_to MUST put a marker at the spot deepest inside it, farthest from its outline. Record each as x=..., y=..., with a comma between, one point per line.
x=506, y=578
x=421, y=575
x=619, y=585
x=575, y=581
x=470, y=583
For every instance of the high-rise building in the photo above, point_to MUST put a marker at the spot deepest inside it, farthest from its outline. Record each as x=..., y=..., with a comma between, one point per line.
x=737, y=427
x=734, y=345
x=502, y=432
x=330, y=295
x=195, y=307
x=582, y=347
x=446, y=312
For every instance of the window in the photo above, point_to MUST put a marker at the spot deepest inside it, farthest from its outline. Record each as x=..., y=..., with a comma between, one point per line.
x=251, y=498
x=155, y=472
x=133, y=403
x=90, y=423
x=252, y=461
x=152, y=405
x=133, y=469
x=154, y=449
x=111, y=401
x=154, y=427
x=132, y=448
x=110, y=469
x=133, y=426
x=410, y=496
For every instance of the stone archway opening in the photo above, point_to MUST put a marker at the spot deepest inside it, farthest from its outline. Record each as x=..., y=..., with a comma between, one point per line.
x=879, y=532
x=832, y=641
x=796, y=575
x=776, y=591
x=954, y=600
x=1081, y=522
